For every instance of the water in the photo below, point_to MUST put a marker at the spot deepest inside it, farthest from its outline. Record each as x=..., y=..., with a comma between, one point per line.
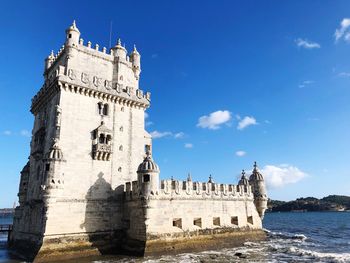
x=292, y=237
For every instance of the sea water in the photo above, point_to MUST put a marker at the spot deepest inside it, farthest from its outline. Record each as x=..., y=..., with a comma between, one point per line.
x=292, y=237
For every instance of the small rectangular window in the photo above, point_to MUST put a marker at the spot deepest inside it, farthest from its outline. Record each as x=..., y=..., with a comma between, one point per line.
x=234, y=220
x=177, y=222
x=146, y=178
x=198, y=222
x=216, y=221
x=47, y=167
x=250, y=220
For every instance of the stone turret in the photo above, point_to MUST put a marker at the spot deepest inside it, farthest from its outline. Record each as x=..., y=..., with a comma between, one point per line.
x=135, y=58
x=72, y=35
x=244, y=180
x=23, y=186
x=257, y=182
x=49, y=60
x=119, y=51
x=148, y=175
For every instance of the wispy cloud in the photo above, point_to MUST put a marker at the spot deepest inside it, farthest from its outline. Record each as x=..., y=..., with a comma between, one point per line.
x=245, y=122
x=155, y=55
x=146, y=115
x=25, y=133
x=344, y=74
x=343, y=31
x=188, y=145
x=157, y=134
x=7, y=133
x=214, y=120
x=305, y=83
x=179, y=135
x=240, y=153
x=307, y=44
x=281, y=175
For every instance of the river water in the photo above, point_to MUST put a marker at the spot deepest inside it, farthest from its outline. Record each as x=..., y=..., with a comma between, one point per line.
x=292, y=237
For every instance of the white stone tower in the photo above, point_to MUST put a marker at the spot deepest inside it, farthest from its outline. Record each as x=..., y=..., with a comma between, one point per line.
x=88, y=139
x=257, y=182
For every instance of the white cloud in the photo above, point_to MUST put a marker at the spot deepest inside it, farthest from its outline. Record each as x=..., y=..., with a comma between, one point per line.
x=146, y=115
x=304, y=43
x=7, y=132
x=344, y=74
x=245, y=122
x=25, y=133
x=343, y=30
x=179, y=135
x=214, y=120
x=155, y=55
x=284, y=174
x=305, y=83
x=148, y=123
x=188, y=145
x=241, y=153
x=157, y=134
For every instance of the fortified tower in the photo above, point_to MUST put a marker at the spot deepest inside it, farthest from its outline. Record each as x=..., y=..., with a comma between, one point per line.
x=91, y=185
x=87, y=141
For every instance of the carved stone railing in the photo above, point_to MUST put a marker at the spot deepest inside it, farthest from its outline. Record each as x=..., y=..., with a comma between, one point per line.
x=101, y=151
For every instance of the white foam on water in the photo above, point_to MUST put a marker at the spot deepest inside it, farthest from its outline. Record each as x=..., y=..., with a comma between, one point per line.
x=335, y=257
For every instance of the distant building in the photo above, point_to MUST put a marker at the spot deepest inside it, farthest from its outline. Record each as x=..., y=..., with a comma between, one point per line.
x=91, y=185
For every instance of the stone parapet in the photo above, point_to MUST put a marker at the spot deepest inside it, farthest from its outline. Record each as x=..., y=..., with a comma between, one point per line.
x=189, y=190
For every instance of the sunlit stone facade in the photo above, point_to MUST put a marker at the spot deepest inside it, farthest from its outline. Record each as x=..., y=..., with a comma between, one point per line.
x=91, y=184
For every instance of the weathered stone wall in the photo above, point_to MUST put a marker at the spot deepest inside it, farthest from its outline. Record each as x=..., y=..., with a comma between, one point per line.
x=184, y=206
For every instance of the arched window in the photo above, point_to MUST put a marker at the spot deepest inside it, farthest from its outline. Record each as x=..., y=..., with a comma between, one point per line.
x=108, y=139
x=105, y=109
x=102, y=138
x=121, y=128
x=100, y=108
x=146, y=178
x=120, y=147
x=119, y=169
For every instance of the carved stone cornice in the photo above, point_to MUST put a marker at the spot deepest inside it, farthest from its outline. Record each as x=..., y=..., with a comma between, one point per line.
x=121, y=97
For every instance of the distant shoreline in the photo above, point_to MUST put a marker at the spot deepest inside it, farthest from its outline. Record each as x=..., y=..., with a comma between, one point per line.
x=331, y=203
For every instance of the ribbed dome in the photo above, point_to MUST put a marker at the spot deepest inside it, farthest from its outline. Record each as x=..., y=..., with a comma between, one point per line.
x=73, y=27
x=244, y=179
x=256, y=175
x=55, y=152
x=148, y=165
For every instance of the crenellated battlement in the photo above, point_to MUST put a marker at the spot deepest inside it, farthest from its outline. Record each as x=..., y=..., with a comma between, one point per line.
x=89, y=70
x=188, y=189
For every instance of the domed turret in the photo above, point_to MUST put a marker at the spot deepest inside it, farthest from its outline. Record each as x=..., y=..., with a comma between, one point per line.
x=72, y=35
x=135, y=58
x=243, y=180
x=119, y=50
x=49, y=60
x=148, y=175
x=55, y=152
x=257, y=182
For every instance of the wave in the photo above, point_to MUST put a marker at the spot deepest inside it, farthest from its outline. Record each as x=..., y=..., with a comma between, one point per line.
x=285, y=235
x=334, y=257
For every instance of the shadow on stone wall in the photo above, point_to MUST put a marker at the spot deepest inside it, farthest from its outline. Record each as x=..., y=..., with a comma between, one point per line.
x=100, y=221
x=113, y=225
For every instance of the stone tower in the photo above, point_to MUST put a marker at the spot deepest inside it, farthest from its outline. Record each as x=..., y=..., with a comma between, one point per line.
x=256, y=180
x=88, y=139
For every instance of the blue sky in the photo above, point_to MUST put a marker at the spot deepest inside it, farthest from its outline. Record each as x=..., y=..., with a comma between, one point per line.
x=232, y=82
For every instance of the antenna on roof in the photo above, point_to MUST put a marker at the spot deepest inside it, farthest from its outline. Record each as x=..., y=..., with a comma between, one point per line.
x=110, y=34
